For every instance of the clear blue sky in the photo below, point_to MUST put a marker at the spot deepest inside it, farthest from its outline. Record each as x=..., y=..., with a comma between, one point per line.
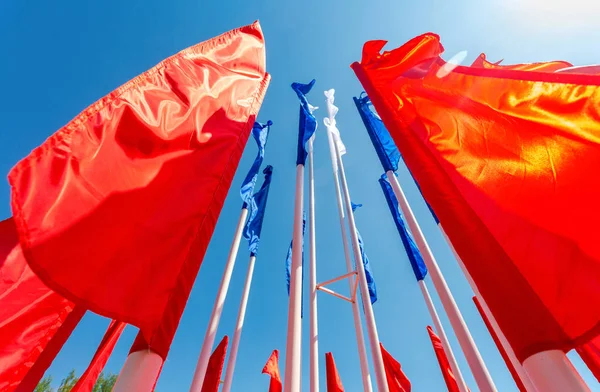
x=60, y=56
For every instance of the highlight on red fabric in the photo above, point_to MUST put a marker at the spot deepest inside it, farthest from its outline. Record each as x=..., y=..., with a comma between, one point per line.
x=396, y=379
x=440, y=354
x=272, y=369
x=502, y=156
x=116, y=209
x=215, y=367
x=590, y=354
x=35, y=322
x=501, y=349
x=334, y=383
x=87, y=381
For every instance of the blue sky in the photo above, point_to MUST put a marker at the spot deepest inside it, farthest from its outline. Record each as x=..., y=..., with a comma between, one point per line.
x=59, y=57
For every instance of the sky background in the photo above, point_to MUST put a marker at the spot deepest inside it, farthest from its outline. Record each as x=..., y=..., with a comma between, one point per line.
x=58, y=57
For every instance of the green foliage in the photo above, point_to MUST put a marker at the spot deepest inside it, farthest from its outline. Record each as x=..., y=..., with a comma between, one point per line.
x=68, y=383
x=44, y=385
x=103, y=384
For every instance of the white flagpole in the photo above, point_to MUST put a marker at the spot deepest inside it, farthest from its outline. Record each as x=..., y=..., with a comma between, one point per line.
x=293, y=354
x=314, y=328
x=360, y=340
x=140, y=372
x=366, y=298
x=480, y=372
x=213, y=324
x=460, y=381
x=238, y=327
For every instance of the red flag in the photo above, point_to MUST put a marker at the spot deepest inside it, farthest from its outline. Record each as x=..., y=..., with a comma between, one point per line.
x=590, y=353
x=272, y=369
x=396, y=379
x=116, y=209
x=503, y=157
x=90, y=376
x=334, y=384
x=215, y=367
x=440, y=354
x=35, y=322
x=509, y=364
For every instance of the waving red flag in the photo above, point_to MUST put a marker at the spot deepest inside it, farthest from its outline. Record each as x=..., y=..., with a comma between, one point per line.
x=334, y=384
x=396, y=379
x=272, y=369
x=116, y=209
x=503, y=157
x=440, y=354
x=215, y=367
x=590, y=354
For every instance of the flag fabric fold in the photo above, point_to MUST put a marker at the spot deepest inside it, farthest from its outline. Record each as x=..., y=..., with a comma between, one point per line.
x=493, y=151
x=260, y=132
x=308, y=122
x=412, y=251
x=366, y=265
x=440, y=354
x=212, y=380
x=396, y=379
x=590, y=354
x=330, y=122
x=254, y=223
x=87, y=381
x=334, y=383
x=272, y=369
x=116, y=209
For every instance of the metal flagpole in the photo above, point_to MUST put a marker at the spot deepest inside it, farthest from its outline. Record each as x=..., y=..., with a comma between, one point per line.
x=213, y=324
x=140, y=372
x=360, y=340
x=480, y=372
x=366, y=299
x=314, y=328
x=238, y=327
x=293, y=355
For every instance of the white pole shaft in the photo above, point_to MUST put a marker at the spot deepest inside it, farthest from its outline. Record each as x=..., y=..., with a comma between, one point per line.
x=314, y=328
x=480, y=371
x=293, y=354
x=360, y=339
x=215, y=317
x=140, y=372
x=235, y=344
x=551, y=371
x=366, y=298
x=462, y=385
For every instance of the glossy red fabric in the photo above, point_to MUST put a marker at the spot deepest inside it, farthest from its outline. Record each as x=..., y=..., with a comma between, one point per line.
x=590, y=354
x=396, y=379
x=334, y=383
x=215, y=367
x=503, y=157
x=116, y=209
x=33, y=324
x=500, y=347
x=87, y=381
x=442, y=358
x=272, y=369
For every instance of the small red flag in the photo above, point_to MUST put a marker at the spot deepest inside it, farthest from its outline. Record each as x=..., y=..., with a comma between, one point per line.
x=272, y=369
x=396, y=379
x=440, y=353
x=590, y=354
x=116, y=209
x=215, y=367
x=334, y=384
x=90, y=376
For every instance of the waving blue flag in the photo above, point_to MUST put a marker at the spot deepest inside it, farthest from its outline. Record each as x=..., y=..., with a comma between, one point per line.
x=261, y=134
x=254, y=224
x=288, y=264
x=380, y=137
x=366, y=265
x=416, y=260
x=308, y=122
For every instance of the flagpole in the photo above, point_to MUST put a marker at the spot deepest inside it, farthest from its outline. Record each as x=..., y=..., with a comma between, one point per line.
x=213, y=324
x=293, y=355
x=480, y=371
x=360, y=339
x=140, y=372
x=366, y=298
x=314, y=327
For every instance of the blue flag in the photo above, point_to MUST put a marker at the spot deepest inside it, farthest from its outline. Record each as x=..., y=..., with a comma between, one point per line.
x=366, y=265
x=380, y=137
x=416, y=260
x=254, y=224
x=288, y=263
x=261, y=134
x=308, y=122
